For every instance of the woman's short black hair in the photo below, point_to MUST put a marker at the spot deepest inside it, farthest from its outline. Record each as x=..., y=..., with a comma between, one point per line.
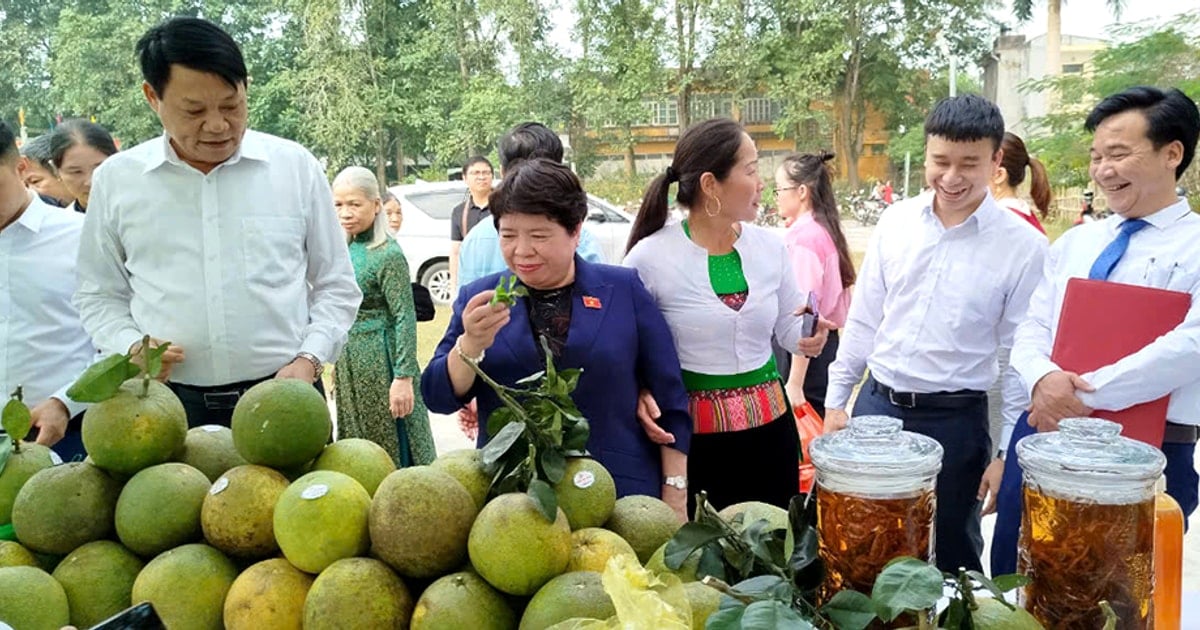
x=77, y=132
x=966, y=118
x=541, y=186
x=527, y=141
x=1170, y=116
x=193, y=43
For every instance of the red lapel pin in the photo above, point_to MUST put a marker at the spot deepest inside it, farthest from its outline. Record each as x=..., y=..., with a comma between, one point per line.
x=591, y=302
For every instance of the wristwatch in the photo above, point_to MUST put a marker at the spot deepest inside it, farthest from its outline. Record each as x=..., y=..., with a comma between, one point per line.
x=318, y=367
x=676, y=481
x=1000, y=454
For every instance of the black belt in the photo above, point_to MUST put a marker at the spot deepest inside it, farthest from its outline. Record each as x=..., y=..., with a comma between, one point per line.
x=935, y=400
x=216, y=396
x=1181, y=433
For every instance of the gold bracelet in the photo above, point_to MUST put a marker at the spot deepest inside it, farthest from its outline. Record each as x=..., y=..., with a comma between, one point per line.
x=462, y=355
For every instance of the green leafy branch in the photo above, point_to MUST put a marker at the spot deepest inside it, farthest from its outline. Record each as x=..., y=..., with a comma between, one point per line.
x=103, y=379
x=508, y=294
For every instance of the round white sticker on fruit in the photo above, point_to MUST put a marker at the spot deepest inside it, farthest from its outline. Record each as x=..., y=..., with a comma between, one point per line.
x=211, y=428
x=314, y=491
x=584, y=479
x=219, y=485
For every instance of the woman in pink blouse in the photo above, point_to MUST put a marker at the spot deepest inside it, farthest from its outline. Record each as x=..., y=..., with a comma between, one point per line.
x=820, y=259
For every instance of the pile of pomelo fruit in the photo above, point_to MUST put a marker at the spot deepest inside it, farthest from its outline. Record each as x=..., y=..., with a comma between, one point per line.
x=268, y=525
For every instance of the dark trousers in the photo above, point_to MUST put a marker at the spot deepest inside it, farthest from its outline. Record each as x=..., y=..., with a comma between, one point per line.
x=963, y=434
x=816, y=379
x=214, y=405
x=1183, y=484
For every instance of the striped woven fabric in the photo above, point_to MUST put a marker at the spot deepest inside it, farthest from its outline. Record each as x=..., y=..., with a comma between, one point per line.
x=723, y=410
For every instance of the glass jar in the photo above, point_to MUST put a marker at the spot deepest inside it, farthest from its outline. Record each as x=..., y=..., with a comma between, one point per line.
x=1087, y=527
x=875, y=499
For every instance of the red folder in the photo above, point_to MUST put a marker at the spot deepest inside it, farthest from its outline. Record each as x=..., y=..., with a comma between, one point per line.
x=1103, y=322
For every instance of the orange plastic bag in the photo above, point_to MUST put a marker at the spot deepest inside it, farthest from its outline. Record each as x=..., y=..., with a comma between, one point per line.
x=809, y=425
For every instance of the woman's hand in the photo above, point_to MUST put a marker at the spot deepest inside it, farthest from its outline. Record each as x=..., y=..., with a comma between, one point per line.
x=648, y=414
x=812, y=346
x=400, y=397
x=481, y=322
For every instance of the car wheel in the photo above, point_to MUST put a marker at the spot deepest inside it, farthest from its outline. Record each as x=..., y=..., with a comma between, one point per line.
x=437, y=279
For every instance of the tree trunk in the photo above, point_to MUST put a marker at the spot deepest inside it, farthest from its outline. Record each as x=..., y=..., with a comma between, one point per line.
x=1053, y=48
x=851, y=130
x=381, y=156
x=400, y=168
x=630, y=158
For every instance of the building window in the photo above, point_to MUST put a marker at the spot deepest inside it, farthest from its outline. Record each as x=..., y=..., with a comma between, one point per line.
x=1072, y=68
x=760, y=110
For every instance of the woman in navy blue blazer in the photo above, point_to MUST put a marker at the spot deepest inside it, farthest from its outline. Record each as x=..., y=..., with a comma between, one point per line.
x=596, y=317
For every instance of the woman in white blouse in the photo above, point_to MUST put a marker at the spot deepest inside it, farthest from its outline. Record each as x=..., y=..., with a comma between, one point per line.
x=725, y=286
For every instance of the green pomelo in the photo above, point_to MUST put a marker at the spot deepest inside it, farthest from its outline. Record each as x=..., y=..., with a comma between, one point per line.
x=688, y=571
x=569, y=596
x=128, y=432
x=159, y=508
x=586, y=493
x=358, y=594
x=210, y=450
x=367, y=462
x=462, y=600
x=281, y=423
x=994, y=615
x=21, y=465
x=420, y=520
x=515, y=548
x=267, y=596
x=466, y=465
x=65, y=506
x=647, y=523
x=187, y=586
x=591, y=548
x=703, y=600
x=322, y=518
x=12, y=554
x=98, y=578
x=238, y=512
x=752, y=511
x=32, y=600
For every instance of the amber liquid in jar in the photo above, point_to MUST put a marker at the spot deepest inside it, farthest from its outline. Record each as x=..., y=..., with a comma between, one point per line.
x=1080, y=554
x=859, y=536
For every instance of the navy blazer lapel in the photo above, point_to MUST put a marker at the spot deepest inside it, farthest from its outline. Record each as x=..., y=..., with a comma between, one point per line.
x=591, y=299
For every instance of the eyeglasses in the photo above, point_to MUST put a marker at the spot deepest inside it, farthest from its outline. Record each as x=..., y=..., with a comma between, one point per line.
x=779, y=190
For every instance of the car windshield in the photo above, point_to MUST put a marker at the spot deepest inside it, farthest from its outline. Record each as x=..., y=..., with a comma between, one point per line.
x=438, y=204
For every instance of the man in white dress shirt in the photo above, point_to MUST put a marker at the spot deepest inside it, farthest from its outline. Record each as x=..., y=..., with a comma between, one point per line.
x=43, y=347
x=220, y=240
x=1144, y=140
x=945, y=282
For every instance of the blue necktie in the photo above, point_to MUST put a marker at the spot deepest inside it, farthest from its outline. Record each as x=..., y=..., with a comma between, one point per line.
x=1108, y=259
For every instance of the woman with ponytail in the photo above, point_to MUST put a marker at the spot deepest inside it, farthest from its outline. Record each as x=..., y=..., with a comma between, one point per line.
x=820, y=258
x=725, y=287
x=1010, y=175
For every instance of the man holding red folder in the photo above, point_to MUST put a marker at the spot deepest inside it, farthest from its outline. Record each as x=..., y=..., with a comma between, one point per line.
x=1145, y=138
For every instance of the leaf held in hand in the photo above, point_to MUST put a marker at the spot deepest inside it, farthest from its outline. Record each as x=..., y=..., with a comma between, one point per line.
x=154, y=360
x=494, y=450
x=16, y=419
x=103, y=379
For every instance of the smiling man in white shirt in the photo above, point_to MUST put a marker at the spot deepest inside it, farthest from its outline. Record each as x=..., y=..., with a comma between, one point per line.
x=945, y=282
x=43, y=347
x=220, y=240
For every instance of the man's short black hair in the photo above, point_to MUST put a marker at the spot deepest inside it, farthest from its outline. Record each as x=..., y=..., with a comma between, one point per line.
x=541, y=186
x=8, y=144
x=966, y=118
x=478, y=159
x=193, y=43
x=38, y=150
x=527, y=141
x=1170, y=116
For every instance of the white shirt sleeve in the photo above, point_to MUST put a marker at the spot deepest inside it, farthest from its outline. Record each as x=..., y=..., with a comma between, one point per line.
x=862, y=322
x=1017, y=309
x=789, y=327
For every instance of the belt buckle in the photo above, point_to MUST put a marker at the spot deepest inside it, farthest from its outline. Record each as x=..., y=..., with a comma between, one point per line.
x=906, y=400
x=221, y=400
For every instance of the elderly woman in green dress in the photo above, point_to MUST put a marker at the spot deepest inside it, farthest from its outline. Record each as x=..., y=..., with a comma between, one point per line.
x=375, y=380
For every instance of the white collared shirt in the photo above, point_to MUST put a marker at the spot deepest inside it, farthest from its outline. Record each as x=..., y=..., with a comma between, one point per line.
x=933, y=304
x=243, y=267
x=1163, y=255
x=43, y=347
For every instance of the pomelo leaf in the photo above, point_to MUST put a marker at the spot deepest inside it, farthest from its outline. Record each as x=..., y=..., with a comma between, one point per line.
x=906, y=584
x=544, y=498
x=690, y=537
x=726, y=619
x=16, y=419
x=773, y=615
x=103, y=379
x=154, y=359
x=554, y=465
x=494, y=450
x=850, y=610
x=6, y=447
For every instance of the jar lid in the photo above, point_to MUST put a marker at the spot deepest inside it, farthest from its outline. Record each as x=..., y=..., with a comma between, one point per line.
x=1089, y=458
x=877, y=446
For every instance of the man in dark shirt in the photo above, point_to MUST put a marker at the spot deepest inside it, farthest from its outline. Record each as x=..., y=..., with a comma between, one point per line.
x=478, y=174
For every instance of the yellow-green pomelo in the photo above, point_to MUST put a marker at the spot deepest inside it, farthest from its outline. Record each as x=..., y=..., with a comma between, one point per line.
x=994, y=615
x=462, y=600
x=159, y=508
x=703, y=600
x=267, y=596
x=466, y=465
x=515, y=548
x=591, y=547
x=129, y=431
x=238, y=512
x=281, y=423
x=367, y=462
x=753, y=511
x=65, y=506
x=210, y=450
x=12, y=554
x=645, y=522
x=578, y=595
x=358, y=594
x=420, y=520
x=687, y=572
x=98, y=578
x=321, y=518
x=586, y=493
x=187, y=586
x=32, y=600
x=21, y=465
